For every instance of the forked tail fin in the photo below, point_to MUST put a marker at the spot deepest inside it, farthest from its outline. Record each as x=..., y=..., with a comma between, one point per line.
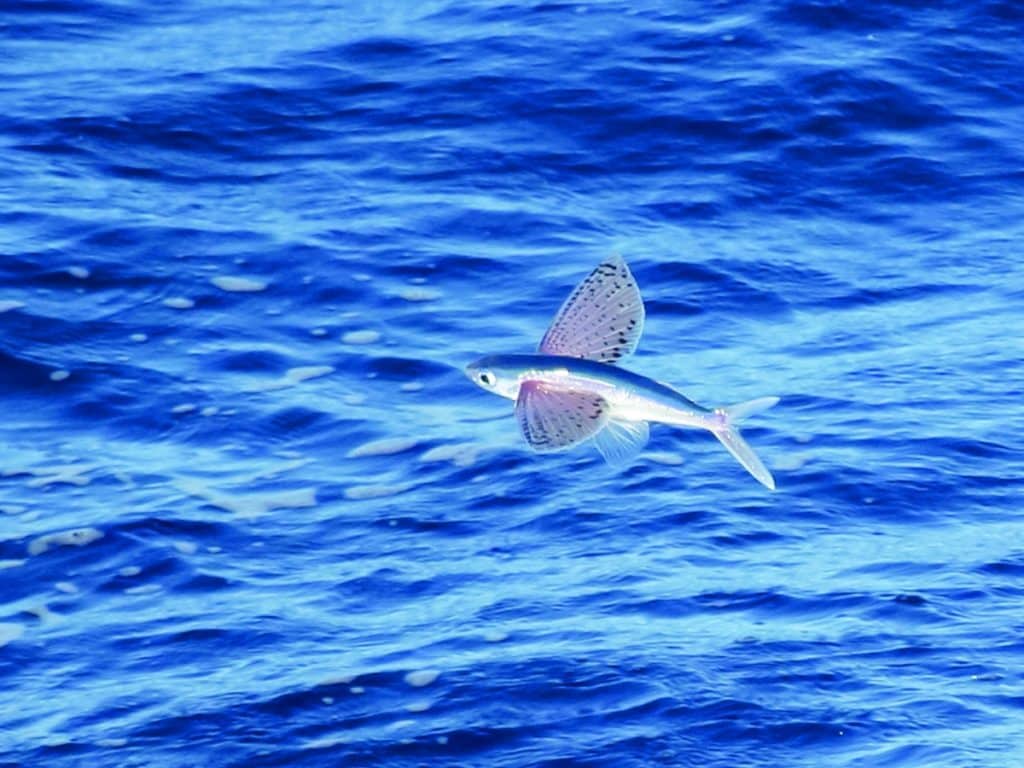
x=731, y=438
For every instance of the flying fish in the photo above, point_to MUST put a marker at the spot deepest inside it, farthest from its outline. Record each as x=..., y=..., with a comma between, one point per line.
x=572, y=390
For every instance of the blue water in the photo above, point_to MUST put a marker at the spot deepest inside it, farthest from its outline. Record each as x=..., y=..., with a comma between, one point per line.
x=253, y=514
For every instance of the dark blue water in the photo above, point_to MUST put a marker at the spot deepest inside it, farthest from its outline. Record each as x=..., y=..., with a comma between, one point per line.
x=252, y=513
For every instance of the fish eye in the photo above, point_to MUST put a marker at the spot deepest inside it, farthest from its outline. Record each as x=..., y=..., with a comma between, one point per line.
x=487, y=378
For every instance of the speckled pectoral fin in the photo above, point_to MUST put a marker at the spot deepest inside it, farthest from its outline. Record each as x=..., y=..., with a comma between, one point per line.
x=602, y=319
x=553, y=419
x=621, y=441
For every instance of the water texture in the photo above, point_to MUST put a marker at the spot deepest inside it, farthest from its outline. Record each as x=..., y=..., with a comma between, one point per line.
x=253, y=514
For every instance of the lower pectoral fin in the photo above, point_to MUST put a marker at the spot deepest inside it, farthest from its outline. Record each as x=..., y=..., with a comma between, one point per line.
x=553, y=419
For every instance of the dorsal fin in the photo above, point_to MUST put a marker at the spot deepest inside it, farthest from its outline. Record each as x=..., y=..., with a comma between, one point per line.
x=553, y=419
x=602, y=319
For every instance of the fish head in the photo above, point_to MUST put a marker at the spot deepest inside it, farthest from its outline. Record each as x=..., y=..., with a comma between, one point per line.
x=495, y=375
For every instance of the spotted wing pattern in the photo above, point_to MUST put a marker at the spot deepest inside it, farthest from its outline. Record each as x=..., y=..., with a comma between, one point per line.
x=602, y=319
x=553, y=419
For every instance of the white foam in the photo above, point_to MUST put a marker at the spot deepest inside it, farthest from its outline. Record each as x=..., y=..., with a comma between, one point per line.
x=80, y=272
x=67, y=587
x=4, y=564
x=10, y=632
x=360, y=337
x=307, y=372
x=667, y=458
x=338, y=680
x=420, y=294
x=326, y=742
x=236, y=284
x=418, y=706
x=459, y=454
x=186, y=547
x=143, y=589
x=77, y=537
x=59, y=375
x=253, y=504
x=8, y=305
x=386, y=447
x=422, y=677
x=790, y=462
x=130, y=570
x=138, y=338
x=379, y=491
x=294, y=376
x=179, y=302
x=357, y=689
x=412, y=386
x=319, y=332
x=184, y=408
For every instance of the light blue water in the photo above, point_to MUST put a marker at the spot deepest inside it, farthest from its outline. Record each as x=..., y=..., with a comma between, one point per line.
x=253, y=514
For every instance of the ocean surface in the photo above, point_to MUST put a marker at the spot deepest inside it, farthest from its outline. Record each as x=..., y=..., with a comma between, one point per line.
x=252, y=513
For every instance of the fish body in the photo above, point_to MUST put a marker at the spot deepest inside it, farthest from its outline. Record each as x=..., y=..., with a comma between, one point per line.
x=572, y=391
x=630, y=396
